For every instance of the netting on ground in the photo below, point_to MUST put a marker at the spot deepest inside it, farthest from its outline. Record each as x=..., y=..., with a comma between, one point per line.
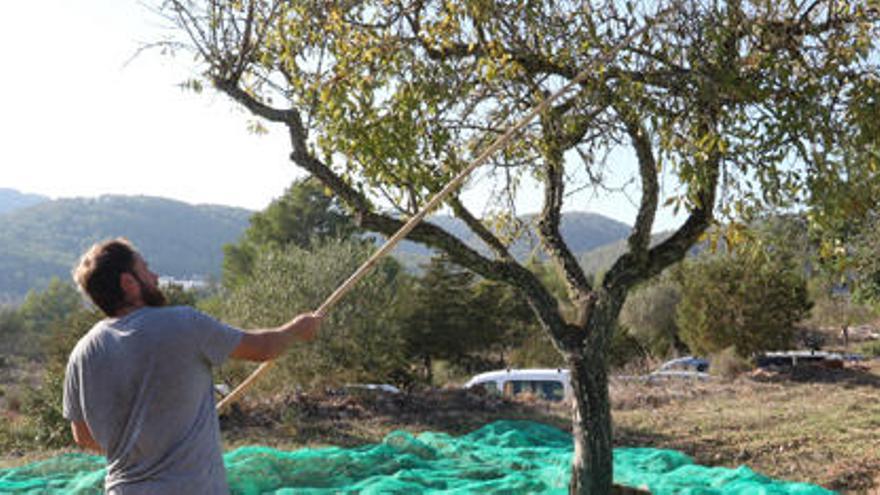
x=505, y=457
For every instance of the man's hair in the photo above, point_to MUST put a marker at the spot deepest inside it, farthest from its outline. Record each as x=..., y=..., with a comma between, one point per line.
x=98, y=272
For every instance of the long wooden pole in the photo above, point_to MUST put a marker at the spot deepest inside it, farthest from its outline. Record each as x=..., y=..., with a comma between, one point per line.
x=435, y=201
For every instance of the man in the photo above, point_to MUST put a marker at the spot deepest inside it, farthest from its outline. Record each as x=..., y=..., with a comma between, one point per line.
x=138, y=386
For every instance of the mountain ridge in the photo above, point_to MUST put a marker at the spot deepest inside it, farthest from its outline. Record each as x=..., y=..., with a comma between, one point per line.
x=43, y=241
x=182, y=240
x=583, y=232
x=13, y=199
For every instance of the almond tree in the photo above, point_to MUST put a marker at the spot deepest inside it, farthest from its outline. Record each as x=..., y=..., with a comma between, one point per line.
x=745, y=104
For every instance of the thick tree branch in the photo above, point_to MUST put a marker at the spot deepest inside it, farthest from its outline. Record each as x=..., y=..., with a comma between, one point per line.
x=631, y=269
x=577, y=126
x=255, y=106
x=505, y=270
x=478, y=228
x=640, y=238
x=551, y=215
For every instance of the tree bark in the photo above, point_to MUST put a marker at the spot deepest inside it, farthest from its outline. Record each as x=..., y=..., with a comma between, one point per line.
x=592, y=469
x=429, y=369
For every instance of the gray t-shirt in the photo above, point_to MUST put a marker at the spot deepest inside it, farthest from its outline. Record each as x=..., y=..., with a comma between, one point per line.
x=142, y=383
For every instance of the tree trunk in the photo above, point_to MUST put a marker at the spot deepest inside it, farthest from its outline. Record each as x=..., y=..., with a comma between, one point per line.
x=429, y=369
x=592, y=467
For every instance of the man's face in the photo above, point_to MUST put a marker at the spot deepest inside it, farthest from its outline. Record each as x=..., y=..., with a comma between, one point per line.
x=148, y=281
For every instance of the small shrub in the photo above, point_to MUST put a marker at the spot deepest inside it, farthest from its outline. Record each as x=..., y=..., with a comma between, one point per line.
x=871, y=349
x=649, y=314
x=536, y=351
x=13, y=403
x=14, y=435
x=728, y=364
x=744, y=300
x=42, y=407
x=360, y=340
x=625, y=348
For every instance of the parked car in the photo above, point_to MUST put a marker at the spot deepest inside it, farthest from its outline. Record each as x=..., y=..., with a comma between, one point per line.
x=546, y=384
x=789, y=359
x=371, y=387
x=683, y=368
x=686, y=363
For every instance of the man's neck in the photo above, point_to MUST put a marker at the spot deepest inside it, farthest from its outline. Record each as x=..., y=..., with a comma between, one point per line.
x=127, y=310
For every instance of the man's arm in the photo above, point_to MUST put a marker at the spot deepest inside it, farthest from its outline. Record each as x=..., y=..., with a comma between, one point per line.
x=265, y=345
x=82, y=435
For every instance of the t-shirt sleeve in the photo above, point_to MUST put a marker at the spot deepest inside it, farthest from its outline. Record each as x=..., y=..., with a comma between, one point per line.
x=71, y=407
x=216, y=340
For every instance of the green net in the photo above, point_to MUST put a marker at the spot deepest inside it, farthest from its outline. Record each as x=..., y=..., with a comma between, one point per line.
x=505, y=457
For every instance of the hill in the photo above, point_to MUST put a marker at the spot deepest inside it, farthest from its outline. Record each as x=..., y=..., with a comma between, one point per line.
x=600, y=259
x=42, y=241
x=11, y=200
x=581, y=230
x=181, y=240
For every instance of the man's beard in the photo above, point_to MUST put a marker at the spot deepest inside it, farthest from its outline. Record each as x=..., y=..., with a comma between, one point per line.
x=152, y=296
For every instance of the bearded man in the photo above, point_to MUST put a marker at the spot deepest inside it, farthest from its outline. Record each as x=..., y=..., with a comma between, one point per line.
x=138, y=386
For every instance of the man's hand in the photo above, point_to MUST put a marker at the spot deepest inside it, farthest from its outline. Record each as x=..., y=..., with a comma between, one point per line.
x=306, y=326
x=82, y=435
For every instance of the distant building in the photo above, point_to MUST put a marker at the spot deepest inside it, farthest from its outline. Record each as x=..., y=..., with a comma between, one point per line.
x=185, y=283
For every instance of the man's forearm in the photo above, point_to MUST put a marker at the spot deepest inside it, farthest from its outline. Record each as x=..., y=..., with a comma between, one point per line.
x=265, y=345
x=281, y=338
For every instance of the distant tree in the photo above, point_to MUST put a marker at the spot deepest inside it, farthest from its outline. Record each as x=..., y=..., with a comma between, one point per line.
x=303, y=215
x=507, y=321
x=177, y=295
x=11, y=331
x=44, y=310
x=361, y=338
x=836, y=307
x=840, y=274
x=41, y=309
x=649, y=316
x=746, y=300
x=535, y=349
x=443, y=320
x=859, y=261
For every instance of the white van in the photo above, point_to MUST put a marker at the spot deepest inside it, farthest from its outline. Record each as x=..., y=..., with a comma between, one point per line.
x=547, y=384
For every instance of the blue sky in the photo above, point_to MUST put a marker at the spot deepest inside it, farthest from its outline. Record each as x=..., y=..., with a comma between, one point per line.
x=77, y=120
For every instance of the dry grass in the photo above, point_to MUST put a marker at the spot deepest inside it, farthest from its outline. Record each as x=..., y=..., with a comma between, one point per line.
x=816, y=425
x=300, y=420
